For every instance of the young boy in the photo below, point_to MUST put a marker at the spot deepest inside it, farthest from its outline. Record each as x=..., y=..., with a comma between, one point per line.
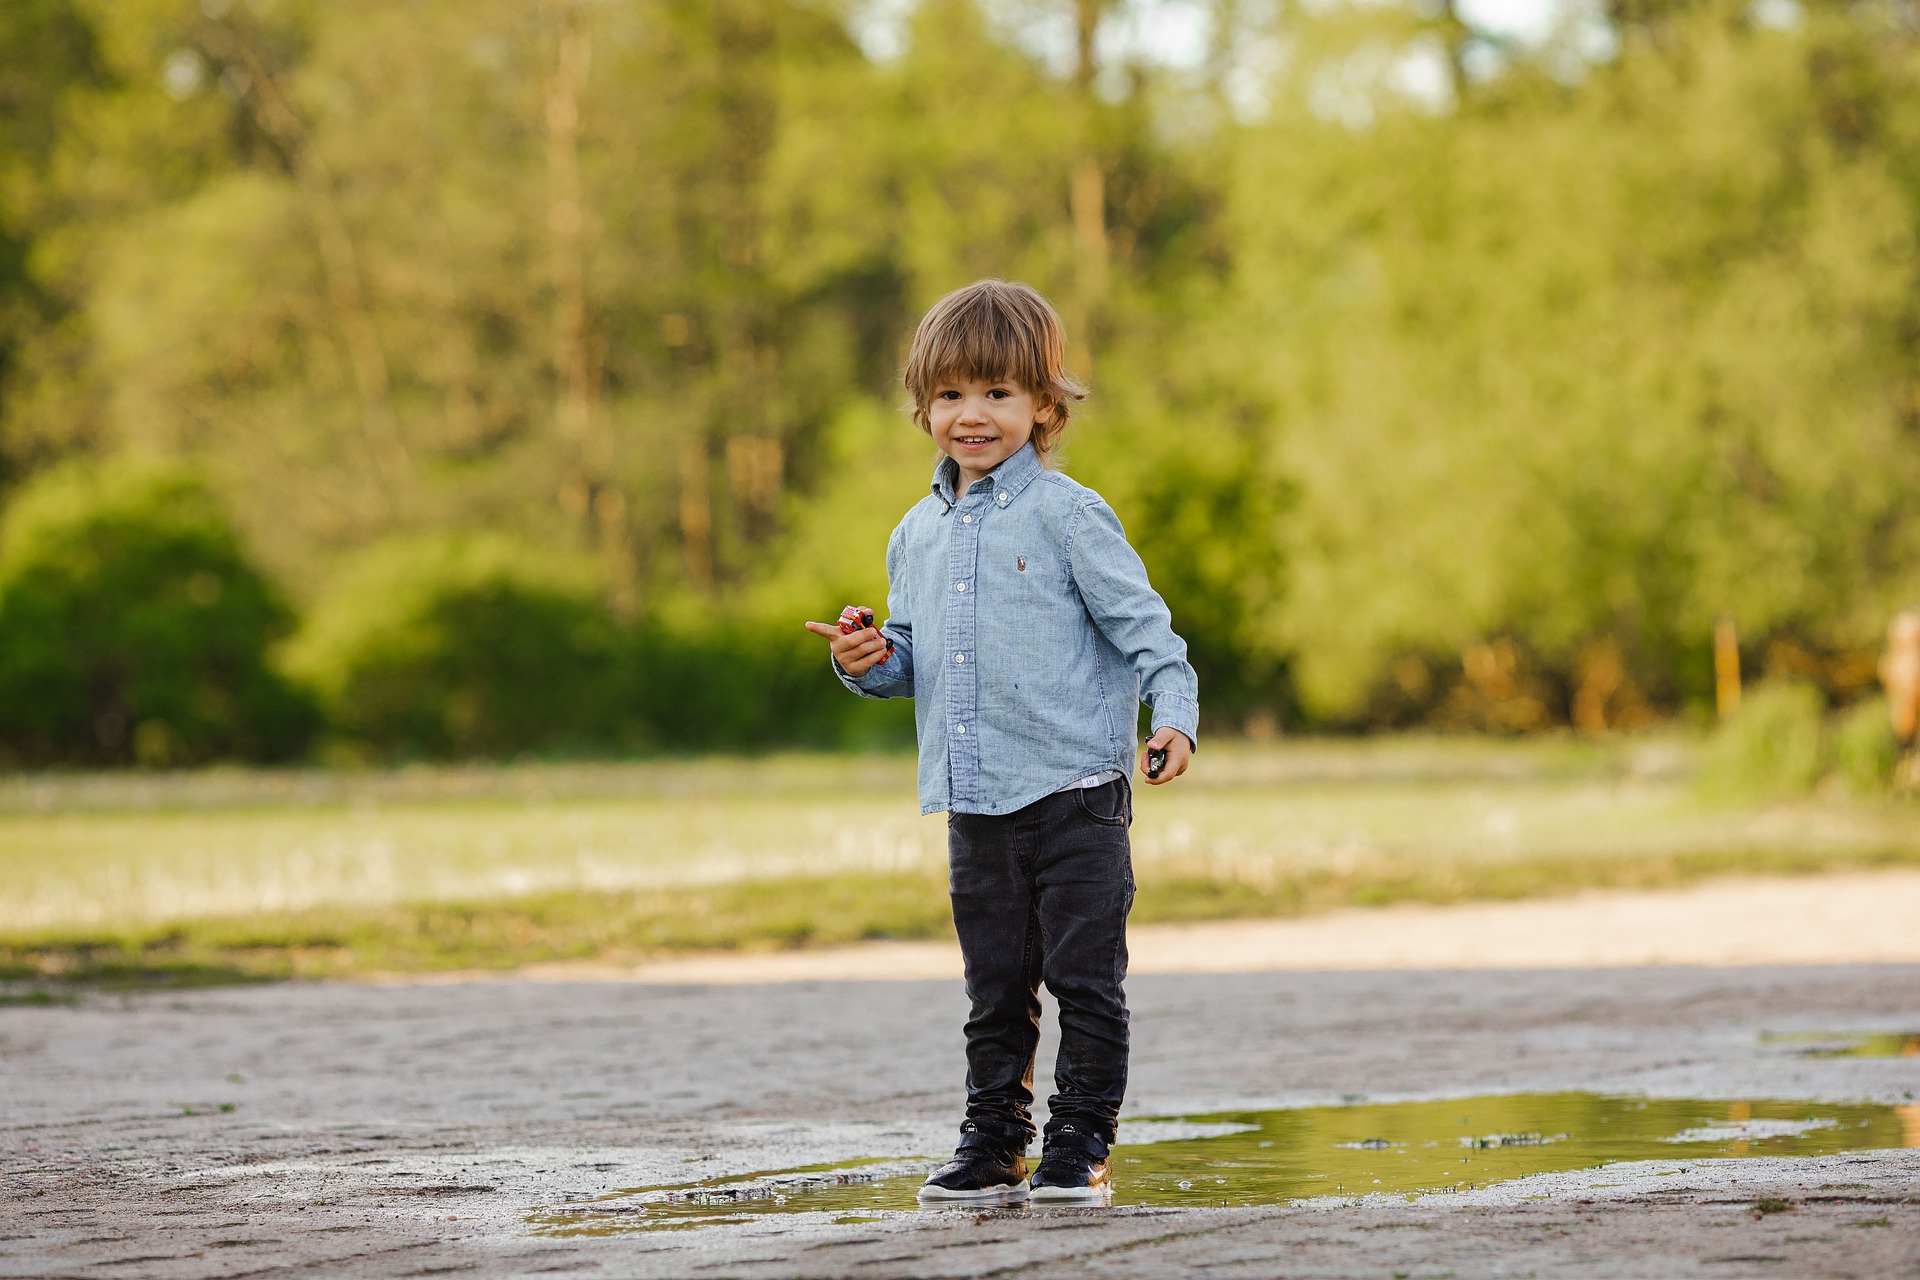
x=1025, y=630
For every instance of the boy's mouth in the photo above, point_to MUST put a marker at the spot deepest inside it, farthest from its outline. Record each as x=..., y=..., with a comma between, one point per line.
x=973, y=441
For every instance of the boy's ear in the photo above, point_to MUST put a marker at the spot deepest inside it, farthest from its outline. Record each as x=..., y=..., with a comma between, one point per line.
x=1044, y=413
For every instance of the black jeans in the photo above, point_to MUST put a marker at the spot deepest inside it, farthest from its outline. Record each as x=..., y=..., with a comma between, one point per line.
x=1042, y=894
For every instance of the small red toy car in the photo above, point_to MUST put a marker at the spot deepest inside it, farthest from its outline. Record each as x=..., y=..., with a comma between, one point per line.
x=853, y=618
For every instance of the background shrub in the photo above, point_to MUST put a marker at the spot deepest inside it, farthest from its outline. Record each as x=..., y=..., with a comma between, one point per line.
x=1865, y=751
x=1774, y=745
x=133, y=627
x=465, y=647
x=744, y=684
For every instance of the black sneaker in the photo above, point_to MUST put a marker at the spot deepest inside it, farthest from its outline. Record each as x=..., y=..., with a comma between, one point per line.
x=979, y=1171
x=1073, y=1170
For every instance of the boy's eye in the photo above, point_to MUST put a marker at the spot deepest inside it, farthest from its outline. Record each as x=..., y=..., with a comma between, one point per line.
x=998, y=393
x=949, y=395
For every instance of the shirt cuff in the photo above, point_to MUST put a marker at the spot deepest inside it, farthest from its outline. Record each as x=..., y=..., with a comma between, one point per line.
x=863, y=683
x=1176, y=711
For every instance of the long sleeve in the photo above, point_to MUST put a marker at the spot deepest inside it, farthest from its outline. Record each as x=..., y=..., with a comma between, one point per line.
x=1112, y=582
x=894, y=677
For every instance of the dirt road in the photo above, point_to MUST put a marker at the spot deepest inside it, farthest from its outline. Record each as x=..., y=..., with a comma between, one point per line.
x=355, y=1130
x=1869, y=918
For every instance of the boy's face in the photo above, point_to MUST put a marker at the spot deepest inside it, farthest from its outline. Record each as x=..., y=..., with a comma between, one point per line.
x=982, y=424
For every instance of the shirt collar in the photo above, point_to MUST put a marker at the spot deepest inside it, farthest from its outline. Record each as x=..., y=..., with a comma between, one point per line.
x=1007, y=479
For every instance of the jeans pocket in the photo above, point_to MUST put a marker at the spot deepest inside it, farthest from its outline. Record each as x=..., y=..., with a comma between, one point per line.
x=1109, y=805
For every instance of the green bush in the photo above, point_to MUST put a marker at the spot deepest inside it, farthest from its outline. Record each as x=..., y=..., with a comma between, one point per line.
x=1774, y=745
x=738, y=684
x=482, y=647
x=466, y=647
x=134, y=629
x=1865, y=751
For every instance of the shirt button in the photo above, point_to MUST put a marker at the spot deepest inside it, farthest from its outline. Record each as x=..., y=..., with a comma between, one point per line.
x=959, y=728
x=959, y=586
x=959, y=657
x=1003, y=499
x=966, y=519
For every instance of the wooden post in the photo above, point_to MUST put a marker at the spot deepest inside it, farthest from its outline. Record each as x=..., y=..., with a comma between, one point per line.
x=1726, y=667
x=696, y=509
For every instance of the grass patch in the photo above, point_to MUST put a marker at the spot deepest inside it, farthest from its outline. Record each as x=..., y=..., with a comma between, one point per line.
x=1195, y=899
x=619, y=927
x=784, y=914
x=236, y=875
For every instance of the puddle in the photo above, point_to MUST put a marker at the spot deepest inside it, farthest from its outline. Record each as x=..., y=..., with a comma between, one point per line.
x=1273, y=1157
x=1849, y=1044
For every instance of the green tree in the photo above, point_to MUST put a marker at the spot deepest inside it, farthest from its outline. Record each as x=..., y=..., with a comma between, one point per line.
x=47, y=52
x=1599, y=361
x=1413, y=351
x=482, y=263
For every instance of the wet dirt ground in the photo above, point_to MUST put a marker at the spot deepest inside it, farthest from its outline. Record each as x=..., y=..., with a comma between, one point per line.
x=408, y=1130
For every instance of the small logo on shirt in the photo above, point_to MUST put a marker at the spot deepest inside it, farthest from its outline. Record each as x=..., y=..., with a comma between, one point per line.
x=1021, y=561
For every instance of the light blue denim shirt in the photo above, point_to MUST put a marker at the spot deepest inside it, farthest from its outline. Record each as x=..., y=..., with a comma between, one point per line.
x=1025, y=630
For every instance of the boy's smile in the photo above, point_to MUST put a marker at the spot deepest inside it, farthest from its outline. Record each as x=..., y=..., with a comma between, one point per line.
x=982, y=424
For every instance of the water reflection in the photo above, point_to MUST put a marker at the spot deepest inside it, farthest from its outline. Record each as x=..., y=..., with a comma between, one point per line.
x=1273, y=1157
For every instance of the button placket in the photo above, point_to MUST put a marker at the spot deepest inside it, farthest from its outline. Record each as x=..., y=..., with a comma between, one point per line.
x=963, y=753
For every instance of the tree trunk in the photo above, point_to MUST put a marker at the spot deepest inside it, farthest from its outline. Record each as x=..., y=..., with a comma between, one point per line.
x=339, y=261
x=1087, y=193
x=578, y=414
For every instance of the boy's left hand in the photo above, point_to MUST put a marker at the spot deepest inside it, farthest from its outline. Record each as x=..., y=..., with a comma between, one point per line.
x=1179, y=750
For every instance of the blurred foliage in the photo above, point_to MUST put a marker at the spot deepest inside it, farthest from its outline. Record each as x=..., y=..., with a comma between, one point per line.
x=1865, y=752
x=134, y=629
x=479, y=646
x=1600, y=361
x=1775, y=744
x=1440, y=378
x=737, y=685
x=47, y=49
x=1782, y=741
x=471, y=646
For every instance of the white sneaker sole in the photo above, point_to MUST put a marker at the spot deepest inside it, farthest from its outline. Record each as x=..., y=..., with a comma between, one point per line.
x=1073, y=1195
x=1005, y=1193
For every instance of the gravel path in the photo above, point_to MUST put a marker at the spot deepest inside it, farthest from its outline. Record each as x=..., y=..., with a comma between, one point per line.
x=354, y=1130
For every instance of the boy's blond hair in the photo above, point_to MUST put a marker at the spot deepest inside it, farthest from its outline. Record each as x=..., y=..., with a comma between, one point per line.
x=995, y=330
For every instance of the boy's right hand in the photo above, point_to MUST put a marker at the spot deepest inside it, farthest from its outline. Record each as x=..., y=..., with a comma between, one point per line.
x=857, y=653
